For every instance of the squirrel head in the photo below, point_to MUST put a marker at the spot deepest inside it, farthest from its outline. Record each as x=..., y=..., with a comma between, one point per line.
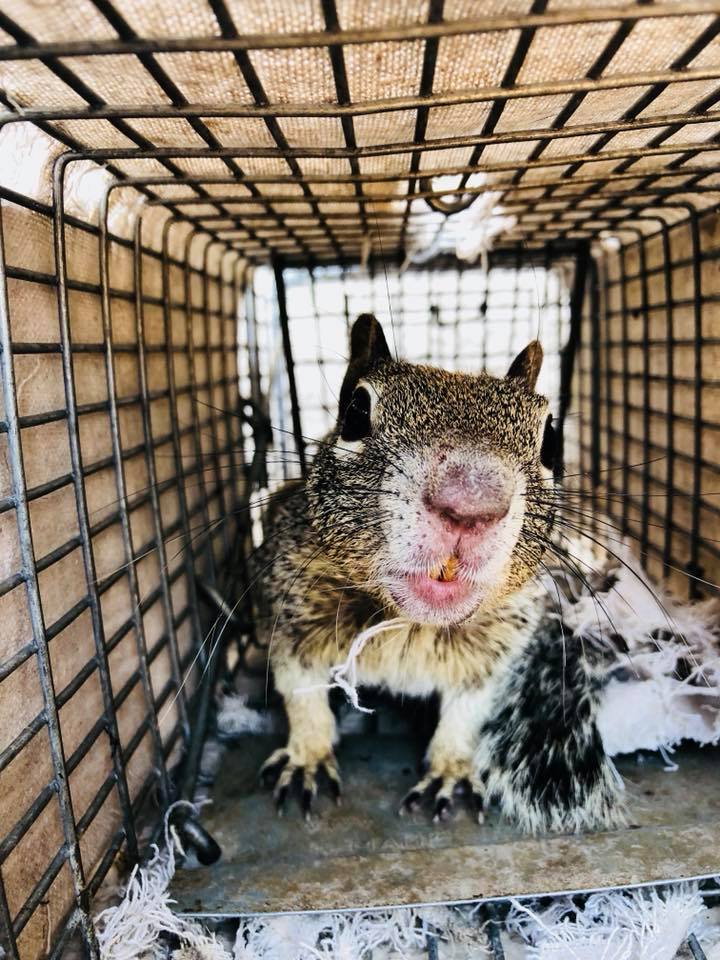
x=434, y=491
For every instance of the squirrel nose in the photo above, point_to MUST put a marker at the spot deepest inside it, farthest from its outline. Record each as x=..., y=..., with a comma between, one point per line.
x=471, y=499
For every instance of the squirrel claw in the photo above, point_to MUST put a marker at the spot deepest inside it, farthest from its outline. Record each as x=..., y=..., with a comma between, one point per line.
x=289, y=776
x=443, y=810
x=440, y=791
x=270, y=771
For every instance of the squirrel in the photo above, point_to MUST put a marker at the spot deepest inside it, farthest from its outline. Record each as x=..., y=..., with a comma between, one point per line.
x=430, y=506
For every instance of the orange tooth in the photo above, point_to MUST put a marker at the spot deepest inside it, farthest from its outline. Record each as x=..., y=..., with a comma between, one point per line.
x=446, y=570
x=450, y=568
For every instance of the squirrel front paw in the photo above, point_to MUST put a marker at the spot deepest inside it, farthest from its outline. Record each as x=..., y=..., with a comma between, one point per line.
x=289, y=768
x=444, y=779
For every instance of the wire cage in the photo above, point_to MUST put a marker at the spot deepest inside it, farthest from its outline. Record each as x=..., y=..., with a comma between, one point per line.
x=195, y=202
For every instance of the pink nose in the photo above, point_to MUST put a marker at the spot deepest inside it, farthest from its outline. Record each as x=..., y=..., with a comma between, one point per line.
x=471, y=499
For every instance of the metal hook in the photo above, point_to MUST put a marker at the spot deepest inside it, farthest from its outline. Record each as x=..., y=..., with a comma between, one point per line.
x=447, y=207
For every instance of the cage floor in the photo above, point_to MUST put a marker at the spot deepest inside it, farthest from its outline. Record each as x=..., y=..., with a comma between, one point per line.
x=363, y=854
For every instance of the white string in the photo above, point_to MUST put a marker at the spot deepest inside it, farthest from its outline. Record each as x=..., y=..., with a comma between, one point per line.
x=344, y=676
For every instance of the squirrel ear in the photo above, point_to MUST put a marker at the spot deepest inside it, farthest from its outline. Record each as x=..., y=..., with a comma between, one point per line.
x=368, y=348
x=367, y=341
x=526, y=365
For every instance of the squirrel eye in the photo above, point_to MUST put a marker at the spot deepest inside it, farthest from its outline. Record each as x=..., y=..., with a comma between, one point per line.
x=356, y=422
x=548, y=448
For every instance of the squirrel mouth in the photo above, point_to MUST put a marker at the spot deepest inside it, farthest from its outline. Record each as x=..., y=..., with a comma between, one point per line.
x=438, y=595
x=446, y=571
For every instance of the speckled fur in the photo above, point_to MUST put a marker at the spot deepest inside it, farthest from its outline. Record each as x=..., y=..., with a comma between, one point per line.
x=324, y=565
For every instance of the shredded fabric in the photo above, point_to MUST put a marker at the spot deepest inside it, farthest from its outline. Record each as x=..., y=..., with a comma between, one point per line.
x=138, y=925
x=665, y=687
x=646, y=924
x=618, y=925
x=470, y=233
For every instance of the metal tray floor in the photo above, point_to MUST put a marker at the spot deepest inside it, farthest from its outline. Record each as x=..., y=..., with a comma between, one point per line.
x=362, y=854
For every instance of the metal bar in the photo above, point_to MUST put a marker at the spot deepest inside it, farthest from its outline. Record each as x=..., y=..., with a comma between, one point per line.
x=493, y=927
x=669, y=395
x=8, y=943
x=180, y=472
x=289, y=364
x=126, y=531
x=236, y=563
x=399, y=33
x=569, y=350
x=213, y=408
x=695, y=949
x=162, y=153
x=607, y=379
x=83, y=519
x=68, y=931
x=150, y=450
x=366, y=107
x=427, y=77
x=625, y=383
x=17, y=474
x=39, y=891
x=197, y=442
x=693, y=566
x=595, y=376
x=512, y=72
x=645, y=319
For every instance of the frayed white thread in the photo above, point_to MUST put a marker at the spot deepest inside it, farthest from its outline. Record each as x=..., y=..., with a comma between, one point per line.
x=135, y=927
x=670, y=765
x=344, y=675
x=485, y=221
x=653, y=709
x=400, y=934
x=618, y=925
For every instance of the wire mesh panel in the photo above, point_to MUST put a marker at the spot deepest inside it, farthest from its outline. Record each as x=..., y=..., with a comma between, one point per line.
x=448, y=314
x=116, y=374
x=649, y=395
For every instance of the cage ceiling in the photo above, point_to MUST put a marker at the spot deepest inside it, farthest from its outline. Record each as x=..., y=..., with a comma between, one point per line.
x=148, y=152
x=314, y=129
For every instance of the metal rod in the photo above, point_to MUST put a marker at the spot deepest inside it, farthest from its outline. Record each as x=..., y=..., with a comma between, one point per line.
x=213, y=409
x=569, y=350
x=71, y=851
x=695, y=949
x=289, y=364
x=322, y=38
x=493, y=927
x=693, y=565
x=194, y=405
x=367, y=107
x=153, y=483
x=180, y=472
x=125, y=527
x=669, y=395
